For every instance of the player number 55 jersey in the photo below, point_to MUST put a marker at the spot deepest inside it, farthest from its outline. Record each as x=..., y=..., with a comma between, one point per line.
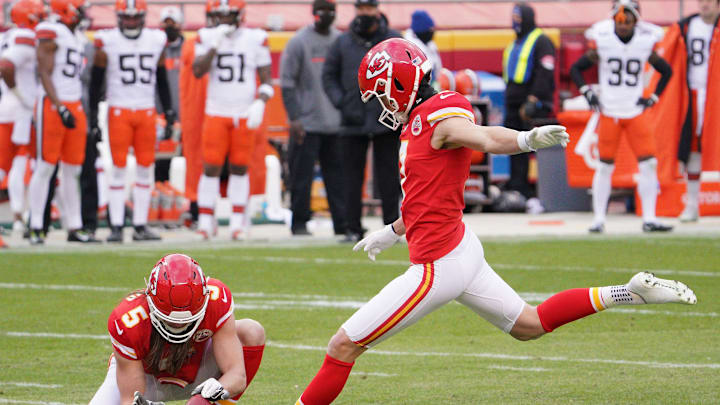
x=132, y=66
x=621, y=65
x=68, y=59
x=232, y=83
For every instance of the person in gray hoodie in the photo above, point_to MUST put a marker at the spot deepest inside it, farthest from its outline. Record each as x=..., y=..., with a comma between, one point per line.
x=314, y=121
x=359, y=121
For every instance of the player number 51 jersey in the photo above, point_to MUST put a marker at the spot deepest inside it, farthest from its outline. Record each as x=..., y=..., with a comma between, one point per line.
x=68, y=59
x=621, y=65
x=232, y=83
x=132, y=66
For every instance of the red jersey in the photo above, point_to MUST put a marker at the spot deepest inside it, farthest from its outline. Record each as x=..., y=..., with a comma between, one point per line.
x=130, y=329
x=433, y=181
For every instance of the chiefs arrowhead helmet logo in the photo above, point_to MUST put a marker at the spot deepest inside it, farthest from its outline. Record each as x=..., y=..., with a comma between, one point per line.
x=378, y=64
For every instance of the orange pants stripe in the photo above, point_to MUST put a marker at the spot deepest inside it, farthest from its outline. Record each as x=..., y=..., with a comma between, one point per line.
x=134, y=128
x=57, y=142
x=221, y=139
x=637, y=131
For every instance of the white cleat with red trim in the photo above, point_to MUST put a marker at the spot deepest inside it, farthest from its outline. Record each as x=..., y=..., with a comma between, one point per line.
x=655, y=290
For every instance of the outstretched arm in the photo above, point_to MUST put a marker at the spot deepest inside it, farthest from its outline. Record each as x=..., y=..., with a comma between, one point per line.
x=456, y=132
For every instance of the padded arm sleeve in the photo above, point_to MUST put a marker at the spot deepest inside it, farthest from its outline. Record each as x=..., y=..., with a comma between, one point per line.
x=665, y=71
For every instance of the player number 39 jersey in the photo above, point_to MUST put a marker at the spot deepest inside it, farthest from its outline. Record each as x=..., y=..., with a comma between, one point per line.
x=130, y=329
x=132, y=66
x=621, y=65
x=232, y=83
x=433, y=181
x=68, y=59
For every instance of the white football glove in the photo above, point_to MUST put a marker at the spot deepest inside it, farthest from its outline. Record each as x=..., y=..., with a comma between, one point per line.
x=377, y=241
x=212, y=390
x=255, y=113
x=222, y=31
x=138, y=399
x=543, y=137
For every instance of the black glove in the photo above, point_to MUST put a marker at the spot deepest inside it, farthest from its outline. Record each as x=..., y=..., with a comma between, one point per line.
x=170, y=118
x=591, y=97
x=95, y=134
x=648, y=102
x=68, y=120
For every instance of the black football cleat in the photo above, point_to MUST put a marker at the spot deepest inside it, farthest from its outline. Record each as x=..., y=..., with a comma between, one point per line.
x=82, y=236
x=143, y=233
x=597, y=228
x=656, y=227
x=116, y=235
x=37, y=237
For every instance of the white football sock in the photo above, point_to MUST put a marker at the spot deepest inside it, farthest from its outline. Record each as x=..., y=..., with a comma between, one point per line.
x=141, y=194
x=601, y=188
x=615, y=295
x=38, y=192
x=238, y=193
x=117, y=196
x=208, y=191
x=16, y=184
x=648, y=188
x=70, y=195
x=101, y=183
x=694, y=168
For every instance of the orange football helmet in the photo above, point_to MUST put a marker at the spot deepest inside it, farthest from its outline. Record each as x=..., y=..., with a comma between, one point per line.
x=69, y=11
x=466, y=83
x=27, y=13
x=235, y=8
x=446, y=80
x=131, y=16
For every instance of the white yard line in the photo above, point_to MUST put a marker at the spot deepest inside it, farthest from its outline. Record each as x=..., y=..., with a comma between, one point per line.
x=497, y=356
x=30, y=384
x=271, y=301
x=23, y=401
x=538, y=369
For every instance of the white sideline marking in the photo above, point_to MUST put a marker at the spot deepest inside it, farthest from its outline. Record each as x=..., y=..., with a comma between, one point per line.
x=504, y=266
x=30, y=384
x=361, y=373
x=307, y=301
x=519, y=368
x=500, y=356
x=22, y=401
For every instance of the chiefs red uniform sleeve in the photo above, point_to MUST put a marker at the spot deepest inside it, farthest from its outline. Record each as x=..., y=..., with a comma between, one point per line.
x=130, y=327
x=220, y=306
x=448, y=104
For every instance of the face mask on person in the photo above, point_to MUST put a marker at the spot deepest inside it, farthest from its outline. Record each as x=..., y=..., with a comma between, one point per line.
x=426, y=36
x=363, y=25
x=324, y=19
x=172, y=33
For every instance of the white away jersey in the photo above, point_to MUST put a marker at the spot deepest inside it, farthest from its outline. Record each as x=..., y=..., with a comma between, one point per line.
x=698, y=47
x=621, y=65
x=132, y=66
x=68, y=59
x=18, y=47
x=232, y=83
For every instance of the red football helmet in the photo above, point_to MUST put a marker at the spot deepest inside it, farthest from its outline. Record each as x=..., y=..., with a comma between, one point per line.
x=177, y=295
x=391, y=71
x=221, y=8
x=27, y=13
x=466, y=83
x=131, y=16
x=69, y=11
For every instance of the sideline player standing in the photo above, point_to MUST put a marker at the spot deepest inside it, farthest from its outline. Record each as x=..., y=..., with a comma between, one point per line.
x=61, y=122
x=691, y=39
x=178, y=338
x=132, y=58
x=621, y=47
x=437, y=139
x=231, y=54
x=18, y=88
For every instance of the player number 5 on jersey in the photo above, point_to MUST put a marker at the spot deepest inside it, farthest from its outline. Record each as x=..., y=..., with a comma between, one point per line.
x=134, y=316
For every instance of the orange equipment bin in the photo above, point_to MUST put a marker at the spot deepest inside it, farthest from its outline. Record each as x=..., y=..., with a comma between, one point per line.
x=578, y=172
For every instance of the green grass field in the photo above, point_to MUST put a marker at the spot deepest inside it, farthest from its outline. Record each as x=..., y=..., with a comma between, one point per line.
x=53, y=324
